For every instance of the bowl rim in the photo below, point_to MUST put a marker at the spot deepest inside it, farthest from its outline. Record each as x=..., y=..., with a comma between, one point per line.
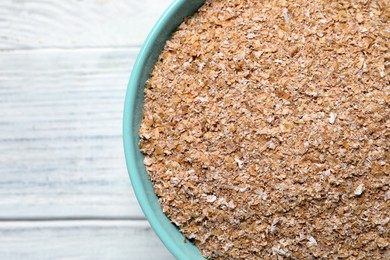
x=129, y=140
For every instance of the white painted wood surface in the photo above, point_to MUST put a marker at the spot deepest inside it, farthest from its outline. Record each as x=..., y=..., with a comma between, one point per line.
x=61, y=133
x=76, y=23
x=64, y=188
x=80, y=240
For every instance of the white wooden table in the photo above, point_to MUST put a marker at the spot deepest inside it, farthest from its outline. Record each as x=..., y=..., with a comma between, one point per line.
x=64, y=188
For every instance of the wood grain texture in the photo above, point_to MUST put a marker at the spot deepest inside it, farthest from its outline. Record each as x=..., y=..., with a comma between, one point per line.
x=73, y=23
x=64, y=188
x=61, y=134
x=80, y=240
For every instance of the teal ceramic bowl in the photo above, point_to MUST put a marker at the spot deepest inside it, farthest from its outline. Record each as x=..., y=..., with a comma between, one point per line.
x=168, y=233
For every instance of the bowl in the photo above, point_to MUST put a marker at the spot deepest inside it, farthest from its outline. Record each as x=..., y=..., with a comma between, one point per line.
x=173, y=239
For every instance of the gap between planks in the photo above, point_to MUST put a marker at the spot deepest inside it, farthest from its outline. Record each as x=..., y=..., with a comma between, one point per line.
x=54, y=223
x=71, y=219
x=134, y=47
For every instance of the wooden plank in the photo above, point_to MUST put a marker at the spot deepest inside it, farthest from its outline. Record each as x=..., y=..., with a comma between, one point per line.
x=61, y=134
x=74, y=23
x=80, y=240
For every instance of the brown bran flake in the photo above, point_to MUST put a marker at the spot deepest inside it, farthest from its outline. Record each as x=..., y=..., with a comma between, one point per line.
x=266, y=129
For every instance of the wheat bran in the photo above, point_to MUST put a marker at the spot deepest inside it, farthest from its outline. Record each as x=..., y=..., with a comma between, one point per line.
x=266, y=129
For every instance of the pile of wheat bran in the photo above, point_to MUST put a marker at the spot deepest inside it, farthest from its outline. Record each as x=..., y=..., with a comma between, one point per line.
x=266, y=129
